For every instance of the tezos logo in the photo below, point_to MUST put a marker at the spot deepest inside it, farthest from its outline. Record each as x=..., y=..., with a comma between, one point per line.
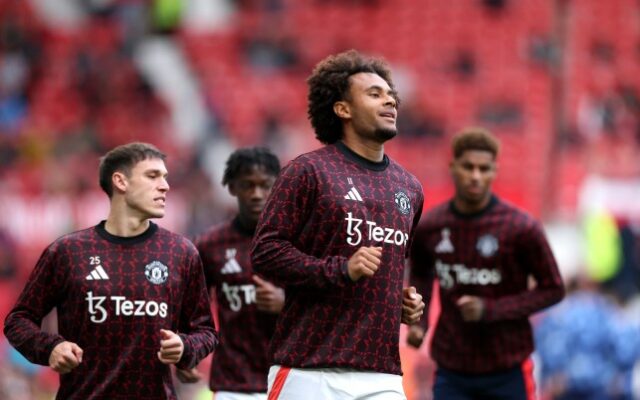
x=402, y=202
x=449, y=275
x=156, y=272
x=239, y=294
x=136, y=308
x=374, y=232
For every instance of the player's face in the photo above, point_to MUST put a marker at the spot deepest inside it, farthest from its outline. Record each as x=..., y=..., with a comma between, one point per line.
x=147, y=188
x=251, y=190
x=473, y=172
x=372, y=105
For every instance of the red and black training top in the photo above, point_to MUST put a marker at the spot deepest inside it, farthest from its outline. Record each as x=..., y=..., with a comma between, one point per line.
x=323, y=207
x=491, y=254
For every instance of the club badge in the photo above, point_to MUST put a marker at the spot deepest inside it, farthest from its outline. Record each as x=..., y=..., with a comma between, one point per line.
x=156, y=272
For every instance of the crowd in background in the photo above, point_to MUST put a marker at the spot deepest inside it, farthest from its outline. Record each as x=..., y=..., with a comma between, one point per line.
x=200, y=78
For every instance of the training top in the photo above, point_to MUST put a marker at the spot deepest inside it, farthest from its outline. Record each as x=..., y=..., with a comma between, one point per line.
x=240, y=363
x=113, y=295
x=491, y=254
x=324, y=206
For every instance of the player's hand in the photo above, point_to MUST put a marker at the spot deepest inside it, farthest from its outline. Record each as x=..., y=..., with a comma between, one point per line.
x=269, y=297
x=188, y=375
x=412, y=306
x=364, y=262
x=415, y=336
x=65, y=356
x=171, y=347
x=471, y=308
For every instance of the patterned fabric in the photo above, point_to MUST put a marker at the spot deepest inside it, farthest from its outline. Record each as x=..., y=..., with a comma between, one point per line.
x=490, y=254
x=113, y=295
x=324, y=206
x=240, y=363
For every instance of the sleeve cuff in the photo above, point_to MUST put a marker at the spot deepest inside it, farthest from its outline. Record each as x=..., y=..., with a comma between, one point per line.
x=186, y=360
x=344, y=270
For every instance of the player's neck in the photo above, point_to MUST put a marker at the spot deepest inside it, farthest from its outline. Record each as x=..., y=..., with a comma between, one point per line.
x=465, y=207
x=247, y=224
x=371, y=150
x=125, y=226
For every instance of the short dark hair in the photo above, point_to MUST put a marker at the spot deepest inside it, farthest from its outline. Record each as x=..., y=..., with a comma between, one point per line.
x=329, y=83
x=122, y=159
x=475, y=138
x=243, y=160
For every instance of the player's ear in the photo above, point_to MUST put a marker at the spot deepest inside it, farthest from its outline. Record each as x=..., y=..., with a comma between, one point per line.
x=119, y=181
x=341, y=108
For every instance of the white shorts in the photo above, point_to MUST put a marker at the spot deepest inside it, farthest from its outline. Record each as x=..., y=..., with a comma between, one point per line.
x=332, y=383
x=222, y=395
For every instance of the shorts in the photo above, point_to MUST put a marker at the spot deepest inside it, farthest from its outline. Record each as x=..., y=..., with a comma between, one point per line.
x=512, y=384
x=332, y=383
x=222, y=395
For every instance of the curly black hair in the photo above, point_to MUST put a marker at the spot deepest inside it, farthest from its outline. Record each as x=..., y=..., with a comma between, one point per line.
x=243, y=160
x=329, y=83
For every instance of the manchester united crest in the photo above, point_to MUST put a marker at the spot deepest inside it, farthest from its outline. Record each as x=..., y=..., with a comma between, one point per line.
x=156, y=272
x=402, y=202
x=487, y=245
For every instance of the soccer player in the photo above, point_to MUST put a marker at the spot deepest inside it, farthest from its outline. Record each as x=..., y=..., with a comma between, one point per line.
x=247, y=304
x=130, y=296
x=335, y=233
x=485, y=253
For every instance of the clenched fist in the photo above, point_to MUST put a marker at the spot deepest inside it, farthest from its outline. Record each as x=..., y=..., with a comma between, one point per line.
x=364, y=262
x=65, y=357
x=171, y=347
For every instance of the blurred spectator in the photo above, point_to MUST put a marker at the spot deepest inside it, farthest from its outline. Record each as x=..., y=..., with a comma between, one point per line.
x=586, y=348
x=19, y=53
x=18, y=376
x=500, y=113
x=418, y=120
x=541, y=50
x=494, y=5
x=612, y=112
x=464, y=65
x=271, y=48
x=166, y=15
x=8, y=251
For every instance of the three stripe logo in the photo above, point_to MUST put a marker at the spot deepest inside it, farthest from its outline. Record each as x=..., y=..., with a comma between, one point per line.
x=97, y=274
x=353, y=195
x=231, y=266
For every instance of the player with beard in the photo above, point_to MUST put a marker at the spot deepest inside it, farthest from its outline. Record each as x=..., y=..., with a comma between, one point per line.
x=130, y=296
x=485, y=253
x=335, y=233
x=247, y=305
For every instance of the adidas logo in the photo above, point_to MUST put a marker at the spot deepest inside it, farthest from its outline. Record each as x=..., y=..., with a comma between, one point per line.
x=98, y=274
x=445, y=245
x=231, y=266
x=353, y=195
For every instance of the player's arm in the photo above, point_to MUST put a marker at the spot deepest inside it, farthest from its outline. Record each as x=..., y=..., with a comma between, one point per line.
x=413, y=305
x=193, y=375
x=536, y=258
x=274, y=254
x=23, y=323
x=421, y=276
x=196, y=331
x=188, y=375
